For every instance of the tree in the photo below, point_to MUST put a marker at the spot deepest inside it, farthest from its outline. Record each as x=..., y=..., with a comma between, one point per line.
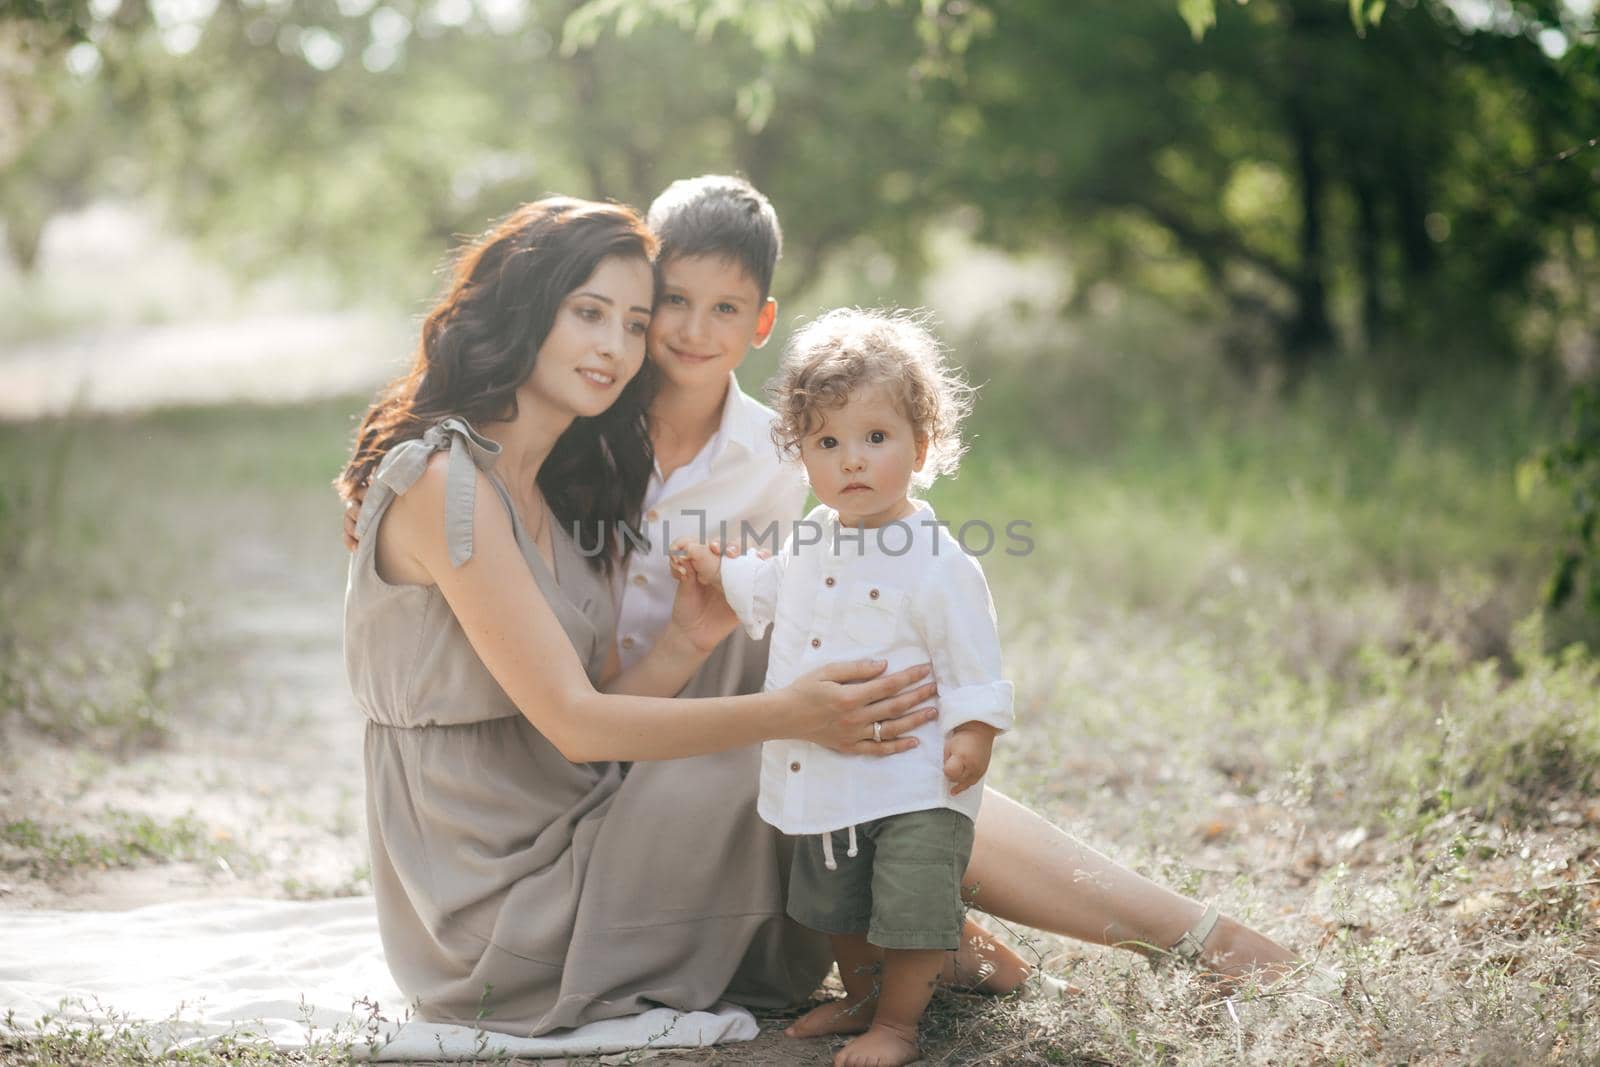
x=1351, y=183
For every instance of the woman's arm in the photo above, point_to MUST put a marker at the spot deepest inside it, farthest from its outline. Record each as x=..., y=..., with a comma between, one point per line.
x=665, y=669
x=517, y=636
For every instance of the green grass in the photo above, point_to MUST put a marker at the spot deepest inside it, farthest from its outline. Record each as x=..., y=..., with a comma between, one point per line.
x=1286, y=654
x=1308, y=582
x=118, y=537
x=123, y=839
x=114, y=1039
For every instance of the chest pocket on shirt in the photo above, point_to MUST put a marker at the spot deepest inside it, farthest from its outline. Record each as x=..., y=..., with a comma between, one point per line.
x=871, y=614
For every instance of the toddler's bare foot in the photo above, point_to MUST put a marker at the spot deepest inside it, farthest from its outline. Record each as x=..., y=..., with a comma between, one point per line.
x=847, y=1016
x=880, y=1046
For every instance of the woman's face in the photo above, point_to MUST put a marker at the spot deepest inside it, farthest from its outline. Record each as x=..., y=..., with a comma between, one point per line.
x=596, y=343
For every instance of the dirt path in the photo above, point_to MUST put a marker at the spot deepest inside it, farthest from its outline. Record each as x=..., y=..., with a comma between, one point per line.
x=267, y=769
x=265, y=357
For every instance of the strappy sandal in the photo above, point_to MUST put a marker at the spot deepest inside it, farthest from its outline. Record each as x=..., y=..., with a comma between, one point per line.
x=1188, y=949
x=1314, y=979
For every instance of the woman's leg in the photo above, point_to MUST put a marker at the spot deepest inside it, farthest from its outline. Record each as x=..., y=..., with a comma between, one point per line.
x=1028, y=871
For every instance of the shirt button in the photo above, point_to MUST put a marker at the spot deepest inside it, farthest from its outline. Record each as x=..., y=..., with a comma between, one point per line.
x=873, y=594
x=795, y=766
x=828, y=582
x=627, y=642
x=816, y=642
x=638, y=579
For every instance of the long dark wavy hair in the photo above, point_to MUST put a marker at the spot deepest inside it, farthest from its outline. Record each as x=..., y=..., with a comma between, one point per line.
x=479, y=345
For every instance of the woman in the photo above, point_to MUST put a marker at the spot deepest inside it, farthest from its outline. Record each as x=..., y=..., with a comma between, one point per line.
x=522, y=876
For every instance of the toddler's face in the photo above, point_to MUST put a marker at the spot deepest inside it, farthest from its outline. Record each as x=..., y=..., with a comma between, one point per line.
x=861, y=457
x=708, y=314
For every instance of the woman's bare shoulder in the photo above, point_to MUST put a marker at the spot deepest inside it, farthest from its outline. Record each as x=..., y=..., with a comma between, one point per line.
x=414, y=535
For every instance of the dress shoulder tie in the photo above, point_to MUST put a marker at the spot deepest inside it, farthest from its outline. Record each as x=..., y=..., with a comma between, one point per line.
x=469, y=451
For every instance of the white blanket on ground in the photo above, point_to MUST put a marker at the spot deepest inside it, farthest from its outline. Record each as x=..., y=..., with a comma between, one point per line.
x=290, y=973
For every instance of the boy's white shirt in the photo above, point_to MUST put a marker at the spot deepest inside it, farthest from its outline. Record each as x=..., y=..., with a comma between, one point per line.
x=737, y=478
x=906, y=593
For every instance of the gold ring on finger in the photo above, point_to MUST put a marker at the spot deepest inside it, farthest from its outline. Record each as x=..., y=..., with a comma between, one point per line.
x=877, y=731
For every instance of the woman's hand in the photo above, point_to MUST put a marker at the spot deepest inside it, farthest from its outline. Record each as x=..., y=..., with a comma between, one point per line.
x=837, y=705
x=700, y=613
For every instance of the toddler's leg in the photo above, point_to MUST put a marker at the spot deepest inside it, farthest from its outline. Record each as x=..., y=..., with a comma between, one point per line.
x=909, y=976
x=861, y=971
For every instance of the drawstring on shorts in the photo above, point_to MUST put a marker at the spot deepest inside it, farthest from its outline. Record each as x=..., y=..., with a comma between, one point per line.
x=827, y=849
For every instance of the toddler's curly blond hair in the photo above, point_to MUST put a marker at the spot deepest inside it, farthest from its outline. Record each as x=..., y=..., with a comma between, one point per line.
x=846, y=349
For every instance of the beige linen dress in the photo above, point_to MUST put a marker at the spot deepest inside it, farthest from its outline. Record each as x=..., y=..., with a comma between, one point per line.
x=516, y=889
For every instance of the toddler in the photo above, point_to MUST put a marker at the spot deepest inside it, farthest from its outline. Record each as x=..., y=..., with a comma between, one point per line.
x=867, y=401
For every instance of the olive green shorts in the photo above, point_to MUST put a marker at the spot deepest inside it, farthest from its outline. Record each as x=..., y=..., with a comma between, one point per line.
x=902, y=888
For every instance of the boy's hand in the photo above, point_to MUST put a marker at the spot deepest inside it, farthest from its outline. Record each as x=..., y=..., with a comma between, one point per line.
x=352, y=508
x=703, y=562
x=966, y=754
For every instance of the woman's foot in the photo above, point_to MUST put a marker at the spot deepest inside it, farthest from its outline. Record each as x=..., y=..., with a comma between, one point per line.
x=984, y=965
x=1231, y=956
x=1235, y=951
x=1048, y=987
x=881, y=1046
x=848, y=1016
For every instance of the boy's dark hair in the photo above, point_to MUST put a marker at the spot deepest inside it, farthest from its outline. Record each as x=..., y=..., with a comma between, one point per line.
x=719, y=215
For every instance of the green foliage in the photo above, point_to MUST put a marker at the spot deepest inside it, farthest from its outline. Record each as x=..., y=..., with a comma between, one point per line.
x=1247, y=175
x=773, y=26
x=102, y=639
x=1365, y=13
x=95, y=1033
x=1199, y=15
x=126, y=840
x=1573, y=465
x=1433, y=731
x=1235, y=585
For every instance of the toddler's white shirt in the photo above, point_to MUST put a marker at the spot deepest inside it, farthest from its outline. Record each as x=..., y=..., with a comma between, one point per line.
x=907, y=593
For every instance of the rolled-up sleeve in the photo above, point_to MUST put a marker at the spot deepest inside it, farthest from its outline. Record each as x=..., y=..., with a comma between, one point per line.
x=751, y=585
x=956, y=615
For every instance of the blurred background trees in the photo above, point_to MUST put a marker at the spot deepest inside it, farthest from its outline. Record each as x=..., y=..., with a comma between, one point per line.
x=1417, y=191
x=1404, y=191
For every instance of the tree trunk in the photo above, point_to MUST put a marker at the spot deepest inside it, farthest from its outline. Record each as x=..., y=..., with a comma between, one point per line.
x=1417, y=249
x=1309, y=334
x=1368, y=242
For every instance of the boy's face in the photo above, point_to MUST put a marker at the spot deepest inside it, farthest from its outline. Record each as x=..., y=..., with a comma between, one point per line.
x=861, y=457
x=709, y=312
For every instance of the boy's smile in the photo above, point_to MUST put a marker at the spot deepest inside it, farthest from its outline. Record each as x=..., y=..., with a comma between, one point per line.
x=709, y=312
x=861, y=457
